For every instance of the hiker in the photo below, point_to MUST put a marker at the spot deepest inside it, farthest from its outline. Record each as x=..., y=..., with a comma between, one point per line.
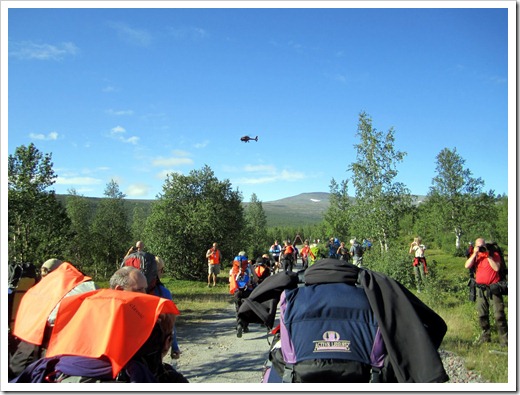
x=288, y=256
x=49, y=265
x=145, y=262
x=420, y=269
x=487, y=265
x=275, y=251
x=377, y=331
x=38, y=309
x=214, y=260
x=333, y=245
x=262, y=267
x=139, y=246
x=163, y=292
x=242, y=279
x=305, y=253
x=86, y=343
x=128, y=278
x=356, y=252
x=343, y=252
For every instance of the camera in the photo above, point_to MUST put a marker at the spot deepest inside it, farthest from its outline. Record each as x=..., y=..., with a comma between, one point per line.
x=482, y=249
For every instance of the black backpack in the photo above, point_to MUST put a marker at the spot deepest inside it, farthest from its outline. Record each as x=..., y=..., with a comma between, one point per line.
x=359, y=250
x=22, y=276
x=501, y=287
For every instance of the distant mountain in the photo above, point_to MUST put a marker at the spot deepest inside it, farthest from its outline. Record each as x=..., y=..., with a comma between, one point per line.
x=303, y=209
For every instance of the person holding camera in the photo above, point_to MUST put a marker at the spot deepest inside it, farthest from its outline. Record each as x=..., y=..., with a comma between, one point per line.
x=487, y=265
x=214, y=261
x=420, y=269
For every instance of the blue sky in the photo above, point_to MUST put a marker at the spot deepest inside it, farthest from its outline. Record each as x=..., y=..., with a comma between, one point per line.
x=133, y=94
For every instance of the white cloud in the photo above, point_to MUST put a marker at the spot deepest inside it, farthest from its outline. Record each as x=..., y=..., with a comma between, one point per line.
x=78, y=181
x=132, y=35
x=118, y=129
x=137, y=190
x=109, y=88
x=191, y=33
x=173, y=161
x=28, y=50
x=260, y=168
x=118, y=134
x=164, y=173
x=268, y=174
x=202, y=144
x=179, y=152
x=40, y=136
x=119, y=112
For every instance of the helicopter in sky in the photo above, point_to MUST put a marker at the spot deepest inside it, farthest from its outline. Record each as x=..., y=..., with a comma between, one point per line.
x=246, y=139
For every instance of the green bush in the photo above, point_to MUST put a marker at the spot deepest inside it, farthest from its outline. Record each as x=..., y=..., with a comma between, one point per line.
x=394, y=263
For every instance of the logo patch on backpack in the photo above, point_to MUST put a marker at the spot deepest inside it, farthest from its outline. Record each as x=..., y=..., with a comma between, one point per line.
x=331, y=343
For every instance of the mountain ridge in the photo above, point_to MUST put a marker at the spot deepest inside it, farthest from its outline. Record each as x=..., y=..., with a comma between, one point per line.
x=303, y=209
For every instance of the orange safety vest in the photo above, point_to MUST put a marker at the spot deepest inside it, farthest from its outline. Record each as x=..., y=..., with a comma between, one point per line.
x=214, y=258
x=106, y=322
x=260, y=270
x=39, y=301
x=239, y=267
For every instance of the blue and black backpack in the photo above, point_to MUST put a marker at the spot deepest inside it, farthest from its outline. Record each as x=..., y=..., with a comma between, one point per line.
x=327, y=333
x=341, y=323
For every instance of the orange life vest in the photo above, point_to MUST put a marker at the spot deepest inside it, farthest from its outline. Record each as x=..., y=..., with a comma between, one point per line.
x=289, y=250
x=106, y=322
x=39, y=301
x=214, y=258
x=239, y=266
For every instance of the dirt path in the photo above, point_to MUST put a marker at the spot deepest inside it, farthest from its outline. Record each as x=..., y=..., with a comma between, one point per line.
x=212, y=353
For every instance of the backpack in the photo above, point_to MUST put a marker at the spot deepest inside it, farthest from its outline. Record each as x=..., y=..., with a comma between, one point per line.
x=391, y=334
x=359, y=250
x=21, y=277
x=145, y=262
x=315, y=345
x=500, y=288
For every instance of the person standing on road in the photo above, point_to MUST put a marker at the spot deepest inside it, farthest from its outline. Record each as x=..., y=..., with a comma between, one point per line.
x=288, y=254
x=305, y=253
x=487, y=266
x=275, y=251
x=214, y=259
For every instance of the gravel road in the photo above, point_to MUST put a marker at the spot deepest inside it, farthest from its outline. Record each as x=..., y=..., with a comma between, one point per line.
x=212, y=353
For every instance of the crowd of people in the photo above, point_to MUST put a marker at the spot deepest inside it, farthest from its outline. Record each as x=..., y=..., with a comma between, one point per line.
x=69, y=330
x=48, y=314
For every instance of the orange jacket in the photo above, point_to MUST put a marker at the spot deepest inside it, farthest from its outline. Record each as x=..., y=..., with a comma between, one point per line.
x=39, y=301
x=106, y=322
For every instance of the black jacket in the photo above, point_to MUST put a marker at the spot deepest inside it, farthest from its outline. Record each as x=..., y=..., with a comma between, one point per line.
x=411, y=330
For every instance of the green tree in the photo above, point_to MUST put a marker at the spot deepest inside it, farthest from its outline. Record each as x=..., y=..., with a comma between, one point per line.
x=337, y=216
x=80, y=213
x=110, y=231
x=454, y=194
x=380, y=200
x=139, y=218
x=190, y=214
x=255, y=233
x=38, y=226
